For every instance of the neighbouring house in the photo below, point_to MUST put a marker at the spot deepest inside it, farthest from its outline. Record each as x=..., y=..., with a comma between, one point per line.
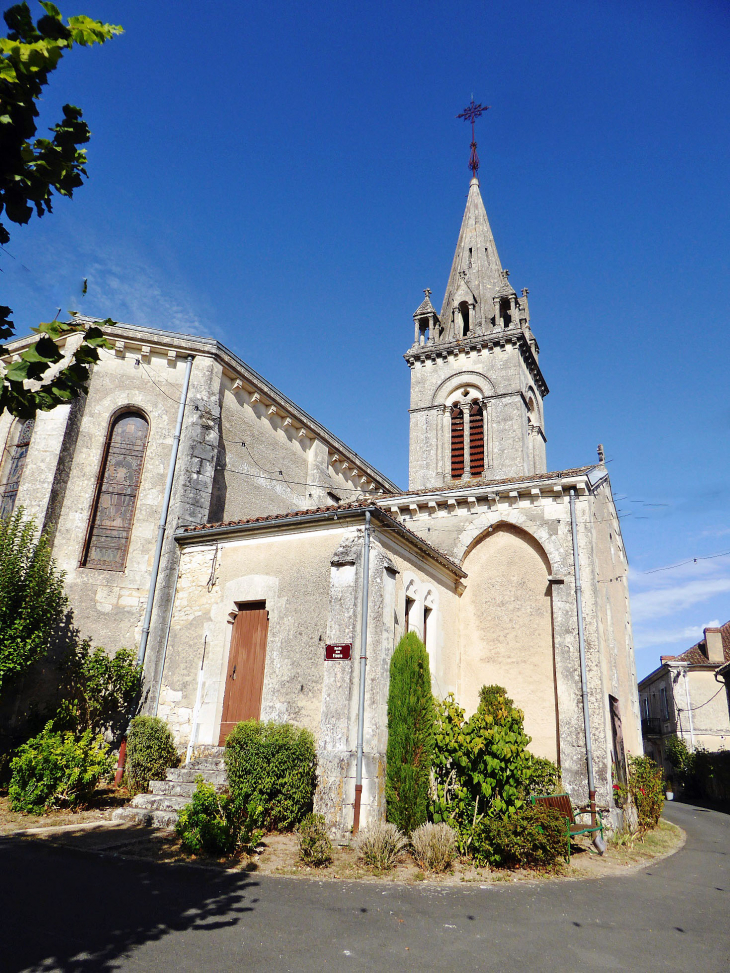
x=261, y=608
x=688, y=696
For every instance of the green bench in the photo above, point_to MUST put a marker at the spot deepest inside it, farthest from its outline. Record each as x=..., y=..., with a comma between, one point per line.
x=562, y=803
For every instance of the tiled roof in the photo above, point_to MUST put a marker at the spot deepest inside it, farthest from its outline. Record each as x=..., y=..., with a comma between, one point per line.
x=695, y=656
x=396, y=525
x=425, y=307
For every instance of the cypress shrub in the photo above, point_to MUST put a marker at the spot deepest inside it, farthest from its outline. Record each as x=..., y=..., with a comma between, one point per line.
x=276, y=765
x=150, y=751
x=410, y=735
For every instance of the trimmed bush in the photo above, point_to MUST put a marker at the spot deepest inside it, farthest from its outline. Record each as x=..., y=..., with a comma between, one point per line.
x=533, y=837
x=380, y=845
x=434, y=846
x=150, y=751
x=315, y=847
x=53, y=770
x=100, y=691
x=276, y=763
x=215, y=824
x=410, y=734
x=543, y=777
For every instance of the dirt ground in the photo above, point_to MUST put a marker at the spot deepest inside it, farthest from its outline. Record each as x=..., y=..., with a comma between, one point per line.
x=104, y=802
x=92, y=830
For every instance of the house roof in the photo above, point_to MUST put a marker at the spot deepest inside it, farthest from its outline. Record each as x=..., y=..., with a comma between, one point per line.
x=316, y=513
x=478, y=484
x=696, y=655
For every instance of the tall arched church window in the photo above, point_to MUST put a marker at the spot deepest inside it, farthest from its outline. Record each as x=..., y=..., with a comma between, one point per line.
x=457, y=441
x=476, y=439
x=110, y=526
x=15, y=469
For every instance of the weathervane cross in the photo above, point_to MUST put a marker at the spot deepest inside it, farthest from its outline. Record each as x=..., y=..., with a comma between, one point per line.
x=471, y=113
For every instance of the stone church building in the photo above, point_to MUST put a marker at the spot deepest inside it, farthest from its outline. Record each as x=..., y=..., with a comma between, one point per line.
x=262, y=607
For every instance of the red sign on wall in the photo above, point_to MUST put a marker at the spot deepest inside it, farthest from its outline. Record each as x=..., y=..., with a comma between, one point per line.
x=334, y=653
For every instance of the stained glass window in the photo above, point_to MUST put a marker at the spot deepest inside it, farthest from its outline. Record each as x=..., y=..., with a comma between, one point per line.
x=18, y=454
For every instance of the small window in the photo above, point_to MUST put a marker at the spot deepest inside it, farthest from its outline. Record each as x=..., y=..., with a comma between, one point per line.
x=410, y=602
x=457, y=441
x=664, y=702
x=18, y=454
x=110, y=527
x=426, y=615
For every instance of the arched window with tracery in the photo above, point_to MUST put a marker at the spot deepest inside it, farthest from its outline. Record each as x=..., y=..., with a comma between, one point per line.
x=18, y=454
x=110, y=526
x=457, y=441
x=476, y=439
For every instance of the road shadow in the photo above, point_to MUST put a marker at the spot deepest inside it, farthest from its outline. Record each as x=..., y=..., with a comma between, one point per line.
x=697, y=802
x=78, y=912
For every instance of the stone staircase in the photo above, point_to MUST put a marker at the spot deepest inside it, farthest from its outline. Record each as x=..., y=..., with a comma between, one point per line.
x=160, y=806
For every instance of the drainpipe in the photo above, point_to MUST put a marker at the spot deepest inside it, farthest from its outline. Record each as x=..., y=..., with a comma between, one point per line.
x=582, y=653
x=167, y=634
x=363, y=667
x=163, y=514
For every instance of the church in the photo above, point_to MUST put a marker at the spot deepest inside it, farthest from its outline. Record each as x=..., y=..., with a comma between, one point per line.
x=267, y=571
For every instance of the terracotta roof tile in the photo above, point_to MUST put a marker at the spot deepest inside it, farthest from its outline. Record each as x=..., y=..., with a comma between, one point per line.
x=695, y=656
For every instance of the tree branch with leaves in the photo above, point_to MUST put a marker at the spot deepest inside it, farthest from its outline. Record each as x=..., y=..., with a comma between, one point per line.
x=32, y=171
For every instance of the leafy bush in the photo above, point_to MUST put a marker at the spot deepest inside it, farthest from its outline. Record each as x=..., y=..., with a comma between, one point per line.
x=434, y=846
x=712, y=774
x=54, y=770
x=531, y=837
x=481, y=765
x=682, y=760
x=410, y=734
x=315, y=847
x=646, y=791
x=100, y=691
x=277, y=764
x=380, y=845
x=543, y=777
x=150, y=751
x=218, y=825
x=32, y=600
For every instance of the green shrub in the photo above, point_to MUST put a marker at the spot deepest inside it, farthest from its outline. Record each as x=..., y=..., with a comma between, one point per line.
x=100, y=691
x=712, y=774
x=646, y=791
x=32, y=600
x=315, y=847
x=531, y=837
x=381, y=845
x=150, y=751
x=481, y=765
x=215, y=824
x=543, y=777
x=53, y=770
x=277, y=764
x=410, y=734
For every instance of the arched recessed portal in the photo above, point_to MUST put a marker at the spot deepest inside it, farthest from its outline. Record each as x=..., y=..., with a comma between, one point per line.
x=506, y=630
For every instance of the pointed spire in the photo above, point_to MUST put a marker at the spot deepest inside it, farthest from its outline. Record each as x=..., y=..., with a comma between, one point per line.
x=476, y=269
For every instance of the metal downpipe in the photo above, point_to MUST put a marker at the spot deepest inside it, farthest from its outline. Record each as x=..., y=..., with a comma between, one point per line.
x=582, y=654
x=163, y=515
x=363, y=668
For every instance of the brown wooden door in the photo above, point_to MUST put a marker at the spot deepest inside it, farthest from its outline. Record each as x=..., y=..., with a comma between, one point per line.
x=246, y=664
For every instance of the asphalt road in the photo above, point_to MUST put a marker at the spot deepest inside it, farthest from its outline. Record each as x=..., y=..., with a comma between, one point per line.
x=65, y=910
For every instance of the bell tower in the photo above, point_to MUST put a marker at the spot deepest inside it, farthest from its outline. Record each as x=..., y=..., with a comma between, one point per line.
x=477, y=390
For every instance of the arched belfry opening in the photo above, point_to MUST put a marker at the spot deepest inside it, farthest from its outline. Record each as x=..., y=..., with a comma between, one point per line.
x=506, y=630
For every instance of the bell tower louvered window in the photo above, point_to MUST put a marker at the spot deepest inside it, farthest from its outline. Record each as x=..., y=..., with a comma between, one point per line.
x=15, y=470
x=476, y=439
x=457, y=441
x=111, y=521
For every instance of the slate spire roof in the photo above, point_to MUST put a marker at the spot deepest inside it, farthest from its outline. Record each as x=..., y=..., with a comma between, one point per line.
x=476, y=256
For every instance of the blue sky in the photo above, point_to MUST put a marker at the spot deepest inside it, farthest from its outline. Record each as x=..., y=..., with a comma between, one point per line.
x=288, y=177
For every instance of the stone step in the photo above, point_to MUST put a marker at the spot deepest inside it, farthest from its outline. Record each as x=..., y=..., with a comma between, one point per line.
x=180, y=788
x=160, y=802
x=140, y=815
x=187, y=775
x=204, y=764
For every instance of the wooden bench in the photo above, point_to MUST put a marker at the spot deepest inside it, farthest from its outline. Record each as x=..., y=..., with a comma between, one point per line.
x=562, y=803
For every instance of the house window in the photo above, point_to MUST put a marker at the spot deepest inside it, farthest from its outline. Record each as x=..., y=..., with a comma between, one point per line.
x=457, y=441
x=15, y=469
x=476, y=439
x=426, y=615
x=645, y=706
x=665, y=704
x=410, y=602
x=110, y=526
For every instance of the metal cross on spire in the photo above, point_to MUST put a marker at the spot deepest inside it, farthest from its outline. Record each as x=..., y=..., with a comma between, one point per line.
x=471, y=113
